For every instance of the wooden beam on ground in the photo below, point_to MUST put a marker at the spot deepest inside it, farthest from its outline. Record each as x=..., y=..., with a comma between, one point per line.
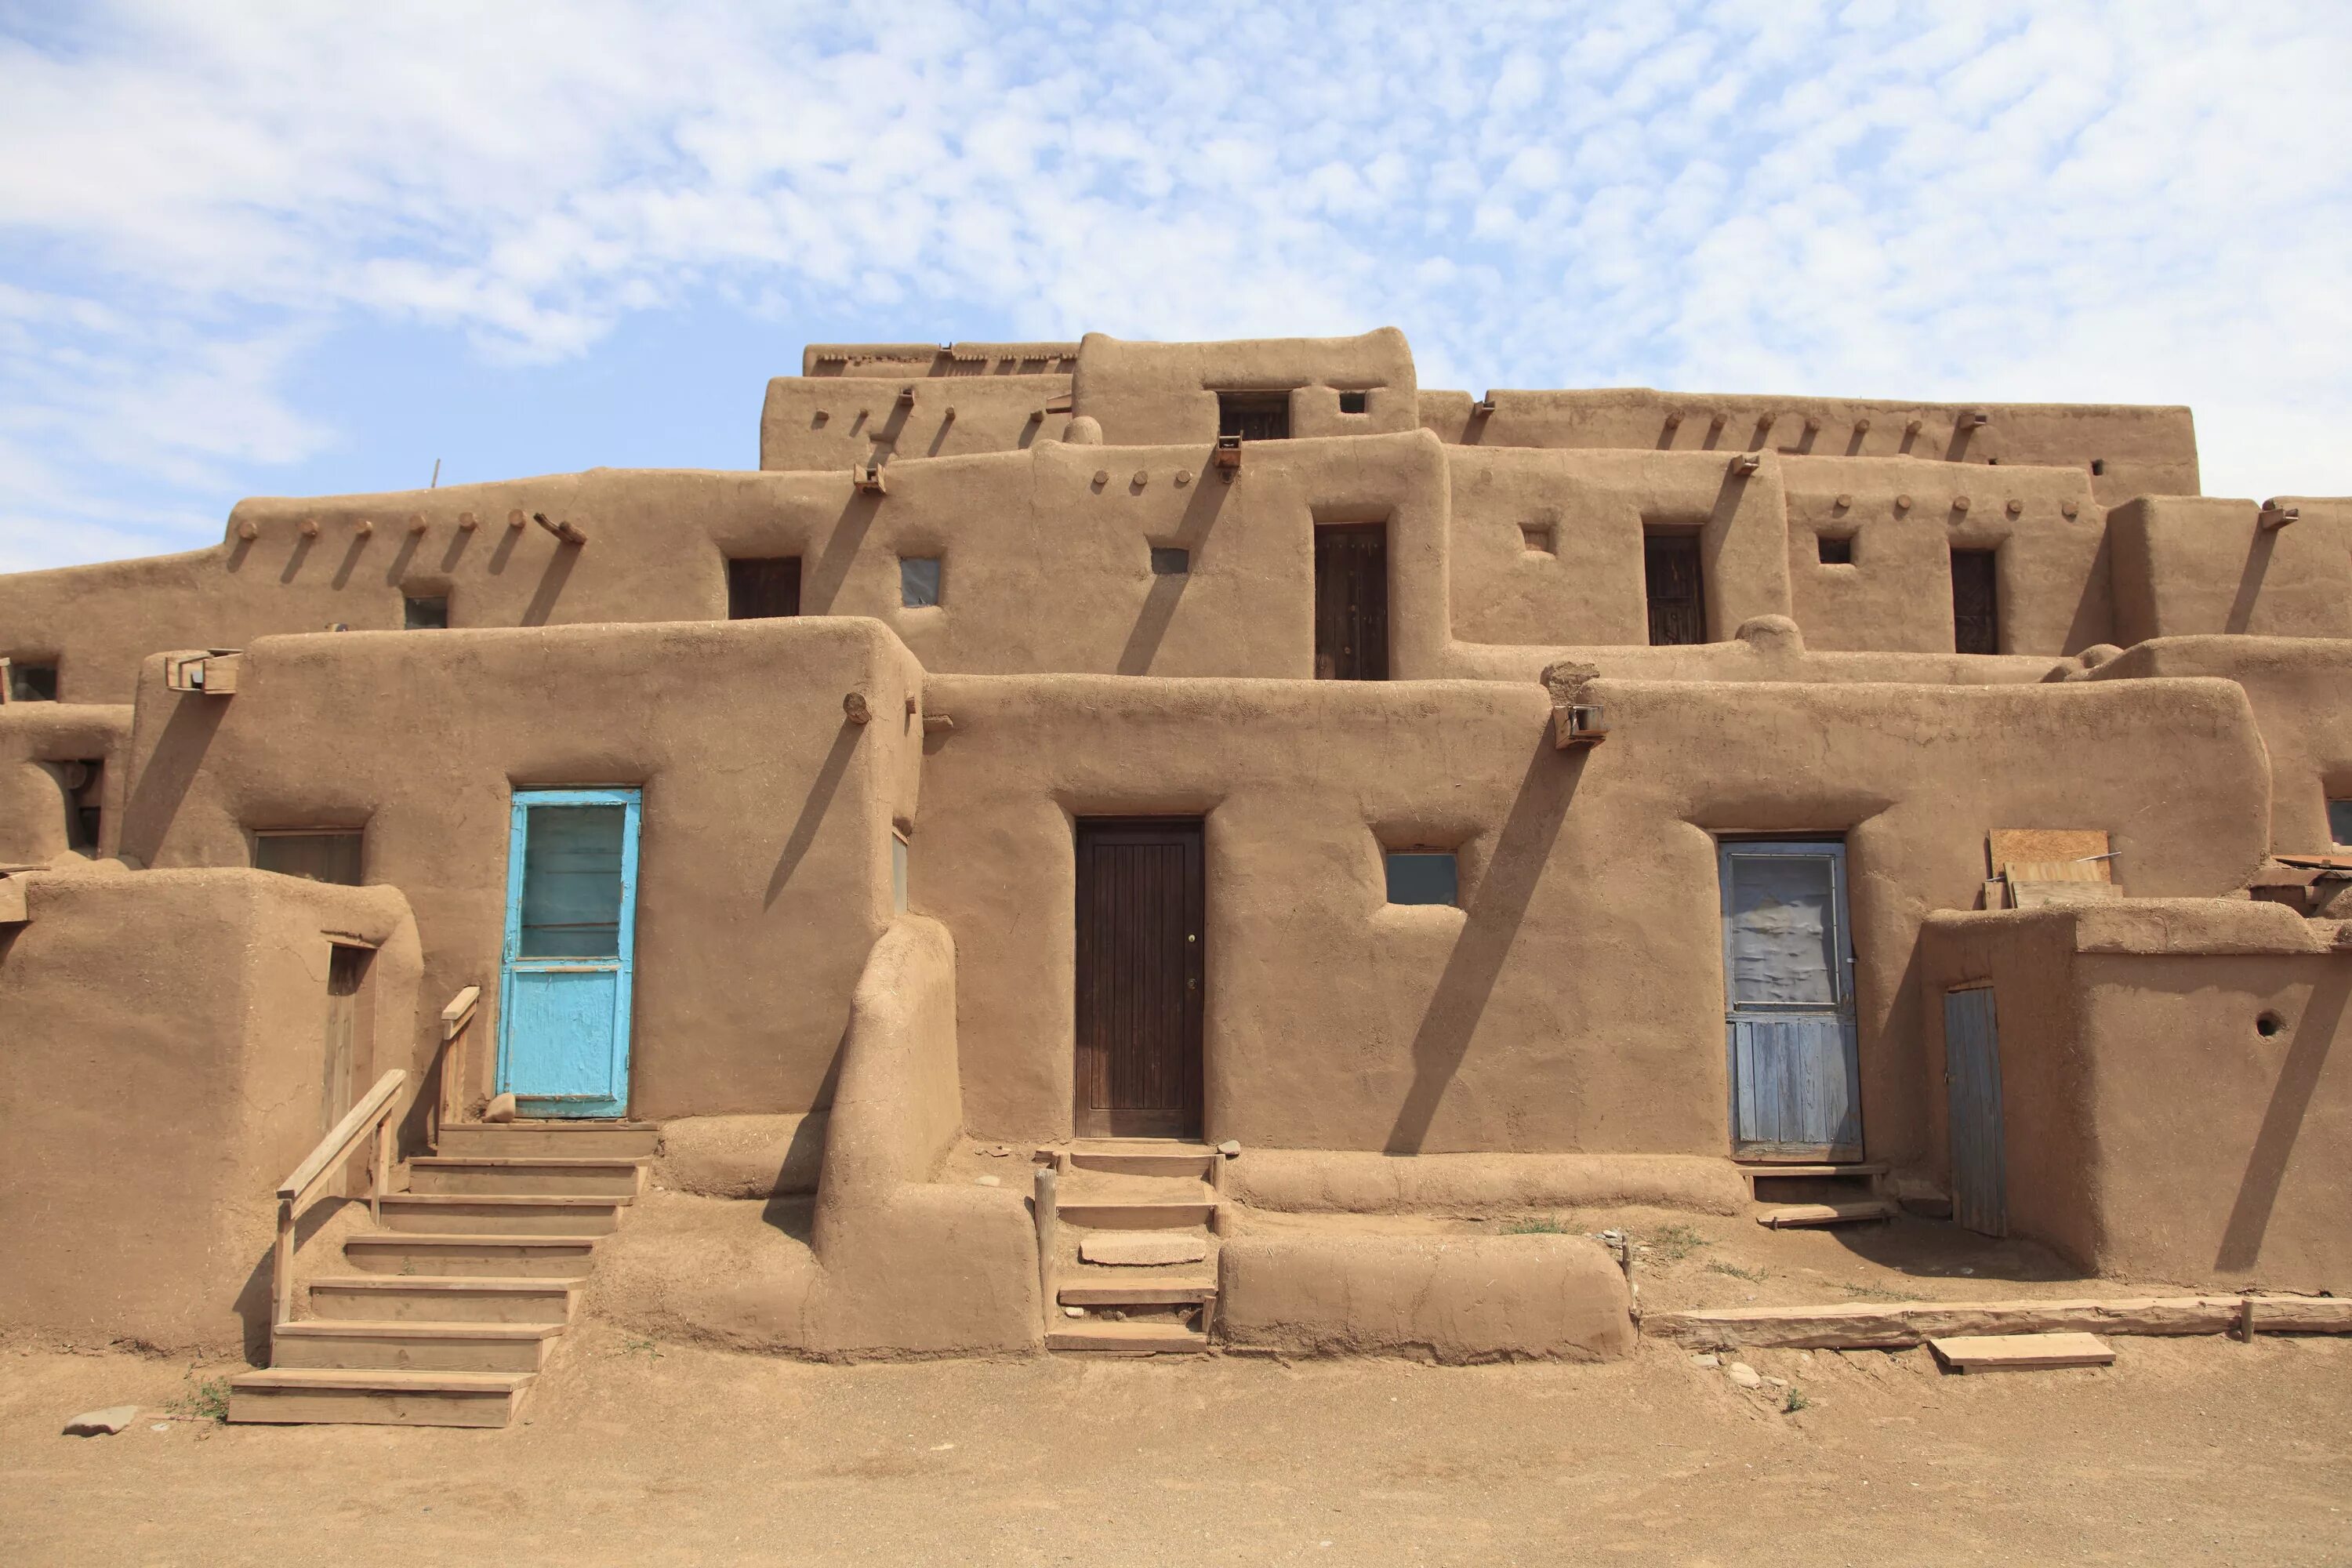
x=1900, y=1324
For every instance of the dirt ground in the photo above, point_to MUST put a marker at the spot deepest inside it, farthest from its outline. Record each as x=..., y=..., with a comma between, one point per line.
x=2184, y=1451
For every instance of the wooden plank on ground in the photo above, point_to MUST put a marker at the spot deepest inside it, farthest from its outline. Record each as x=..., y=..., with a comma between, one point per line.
x=1783, y=1216
x=1896, y=1325
x=2021, y=1352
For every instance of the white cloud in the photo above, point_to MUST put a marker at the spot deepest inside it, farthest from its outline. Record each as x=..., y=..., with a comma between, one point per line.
x=2109, y=201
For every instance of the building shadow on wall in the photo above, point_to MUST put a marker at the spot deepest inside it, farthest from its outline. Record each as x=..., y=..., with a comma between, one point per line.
x=2250, y=581
x=163, y=784
x=2291, y=1097
x=1496, y=907
x=792, y=1203
x=1193, y=531
x=818, y=801
x=821, y=583
x=550, y=585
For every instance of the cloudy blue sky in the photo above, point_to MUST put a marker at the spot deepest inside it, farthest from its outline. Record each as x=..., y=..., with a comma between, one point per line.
x=293, y=248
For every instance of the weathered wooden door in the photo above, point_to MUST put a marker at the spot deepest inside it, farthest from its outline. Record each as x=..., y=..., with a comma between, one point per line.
x=1351, y=602
x=1976, y=601
x=1140, y=969
x=1788, y=965
x=563, y=988
x=346, y=966
x=1670, y=576
x=1972, y=1085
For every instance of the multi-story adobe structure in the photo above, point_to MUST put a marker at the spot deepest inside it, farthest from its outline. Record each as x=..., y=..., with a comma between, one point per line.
x=1126, y=749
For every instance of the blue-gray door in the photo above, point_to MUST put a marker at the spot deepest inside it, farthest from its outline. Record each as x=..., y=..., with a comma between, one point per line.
x=1787, y=965
x=571, y=932
x=1973, y=1082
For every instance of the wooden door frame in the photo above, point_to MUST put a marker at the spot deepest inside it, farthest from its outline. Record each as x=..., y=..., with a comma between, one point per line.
x=1188, y=1121
x=623, y=1006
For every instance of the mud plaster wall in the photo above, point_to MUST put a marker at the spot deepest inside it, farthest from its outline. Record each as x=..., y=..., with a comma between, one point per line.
x=2296, y=687
x=1574, y=1002
x=34, y=805
x=2142, y=450
x=2207, y=1150
x=765, y=862
x=1907, y=518
x=2183, y=567
x=1142, y=391
x=838, y=421
x=163, y=1072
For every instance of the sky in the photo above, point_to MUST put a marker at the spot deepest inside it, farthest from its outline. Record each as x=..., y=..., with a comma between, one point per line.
x=288, y=248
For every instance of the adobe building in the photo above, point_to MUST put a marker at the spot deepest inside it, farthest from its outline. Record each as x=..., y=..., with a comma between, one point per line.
x=1210, y=803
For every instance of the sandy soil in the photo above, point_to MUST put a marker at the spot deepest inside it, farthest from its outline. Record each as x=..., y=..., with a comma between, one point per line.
x=2185, y=1451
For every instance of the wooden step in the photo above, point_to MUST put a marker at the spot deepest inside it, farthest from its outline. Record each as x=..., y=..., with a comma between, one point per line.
x=574, y=1139
x=383, y=1398
x=1145, y=1157
x=349, y=1344
x=1860, y=1173
x=504, y=1256
x=469, y=1215
x=427, y=1299
x=540, y=1175
x=1141, y=1338
x=1785, y=1216
x=1153, y=1293
x=1990, y=1353
x=1136, y=1217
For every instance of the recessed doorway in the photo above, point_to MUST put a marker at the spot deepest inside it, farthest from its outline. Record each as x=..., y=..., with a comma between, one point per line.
x=1140, y=969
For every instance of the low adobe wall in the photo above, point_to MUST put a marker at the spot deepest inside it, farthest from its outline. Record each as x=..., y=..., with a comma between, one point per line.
x=37, y=742
x=2189, y=566
x=164, y=1071
x=2153, y=1129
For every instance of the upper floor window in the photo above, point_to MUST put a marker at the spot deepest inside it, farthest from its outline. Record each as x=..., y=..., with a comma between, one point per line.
x=425, y=613
x=1355, y=401
x=1976, y=604
x=1254, y=416
x=2340, y=821
x=763, y=588
x=919, y=581
x=30, y=682
x=323, y=855
x=1423, y=877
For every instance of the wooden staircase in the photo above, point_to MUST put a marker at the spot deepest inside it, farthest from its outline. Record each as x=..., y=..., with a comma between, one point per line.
x=452, y=1305
x=1122, y=1198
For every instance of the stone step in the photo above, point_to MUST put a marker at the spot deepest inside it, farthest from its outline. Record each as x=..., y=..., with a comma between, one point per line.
x=504, y=1256
x=1784, y=1216
x=516, y=1139
x=350, y=1344
x=539, y=1175
x=1136, y=1215
x=425, y=1299
x=1145, y=1157
x=1142, y=1293
x=1141, y=1249
x=387, y=1398
x=469, y=1215
x=1149, y=1337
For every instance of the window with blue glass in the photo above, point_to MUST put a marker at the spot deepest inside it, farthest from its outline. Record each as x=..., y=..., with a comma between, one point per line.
x=919, y=581
x=1423, y=877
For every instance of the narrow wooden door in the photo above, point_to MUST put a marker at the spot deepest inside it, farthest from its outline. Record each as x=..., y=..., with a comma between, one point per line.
x=1976, y=601
x=1140, y=968
x=1788, y=964
x=345, y=967
x=571, y=934
x=1670, y=576
x=1972, y=1086
x=1351, y=602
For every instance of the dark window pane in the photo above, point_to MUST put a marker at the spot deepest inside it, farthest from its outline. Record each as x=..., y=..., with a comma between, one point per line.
x=571, y=881
x=1168, y=562
x=2340, y=821
x=32, y=682
x=1837, y=549
x=763, y=588
x=1423, y=877
x=1254, y=416
x=320, y=857
x=427, y=615
x=1354, y=402
x=919, y=581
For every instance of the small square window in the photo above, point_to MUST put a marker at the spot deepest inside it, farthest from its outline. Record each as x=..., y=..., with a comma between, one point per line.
x=1423, y=877
x=1837, y=549
x=2340, y=821
x=919, y=581
x=763, y=588
x=1355, y=401
x=1538, y=537
x=329, y=857
x=1169, y=561
x=1254, y=416
x=32, y=682
x=429, y=613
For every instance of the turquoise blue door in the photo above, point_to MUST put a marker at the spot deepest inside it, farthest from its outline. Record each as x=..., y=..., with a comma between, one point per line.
x=1795, y=1092
x=564, y=981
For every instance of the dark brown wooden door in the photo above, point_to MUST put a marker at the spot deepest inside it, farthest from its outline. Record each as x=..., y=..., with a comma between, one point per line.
x=1670, y=574
x=763, y=588
x=1351, y=602
x=1976, y=611
x=1140, y=978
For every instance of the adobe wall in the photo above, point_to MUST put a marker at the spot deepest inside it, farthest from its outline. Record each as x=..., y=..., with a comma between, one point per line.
x=2207, y=1148
x=163, y=1073
x=1166, y=393
x=37, y=741
x=839, y=421
x=1583, y=973
x=765, y=857
x=2141, y=451
x=2297, y=686
x=2189, y=566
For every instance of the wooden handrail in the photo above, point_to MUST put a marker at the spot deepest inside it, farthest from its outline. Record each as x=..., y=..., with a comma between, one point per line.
x=372, y=1114
x=449, y=1061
